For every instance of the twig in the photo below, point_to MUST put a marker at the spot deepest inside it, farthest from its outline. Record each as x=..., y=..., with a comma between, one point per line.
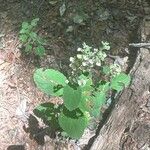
x=139, y=45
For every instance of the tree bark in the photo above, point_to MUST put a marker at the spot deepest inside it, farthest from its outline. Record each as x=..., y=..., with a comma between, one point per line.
x=128, y=127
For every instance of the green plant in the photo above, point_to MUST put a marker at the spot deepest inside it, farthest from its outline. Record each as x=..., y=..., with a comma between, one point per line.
x=30, y=40
x=82, y=98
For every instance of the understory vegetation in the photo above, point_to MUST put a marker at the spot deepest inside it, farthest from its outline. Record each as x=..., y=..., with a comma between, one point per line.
x=81, y=92
x=69, y=71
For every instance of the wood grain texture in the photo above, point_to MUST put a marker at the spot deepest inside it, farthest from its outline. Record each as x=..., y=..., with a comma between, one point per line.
x=128, y=127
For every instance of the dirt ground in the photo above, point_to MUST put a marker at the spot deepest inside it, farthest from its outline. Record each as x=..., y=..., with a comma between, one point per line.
x=18, y=95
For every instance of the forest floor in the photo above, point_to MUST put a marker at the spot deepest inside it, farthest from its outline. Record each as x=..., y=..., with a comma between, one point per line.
x=80, y=21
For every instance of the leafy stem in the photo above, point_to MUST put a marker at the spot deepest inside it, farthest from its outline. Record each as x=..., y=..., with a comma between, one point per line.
x=82, y=98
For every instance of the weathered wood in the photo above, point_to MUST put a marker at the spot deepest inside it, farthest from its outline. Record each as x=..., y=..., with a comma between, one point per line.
x=128, y=127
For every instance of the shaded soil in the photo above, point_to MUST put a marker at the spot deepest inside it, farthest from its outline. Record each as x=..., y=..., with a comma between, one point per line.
x=115, y=22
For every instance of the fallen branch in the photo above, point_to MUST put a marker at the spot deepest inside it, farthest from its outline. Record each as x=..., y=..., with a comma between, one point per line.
x=140, y=45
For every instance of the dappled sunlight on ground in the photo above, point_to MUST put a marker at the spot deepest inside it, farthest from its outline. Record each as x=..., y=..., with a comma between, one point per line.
x=18, y=93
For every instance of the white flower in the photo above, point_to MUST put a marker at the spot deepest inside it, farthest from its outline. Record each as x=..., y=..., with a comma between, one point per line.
x=73, y=67
x=102, y=55
x=95, y=49
x=79, y=56
x=91, y=61
x=71, y=59
x=88, y=69
x=85, y=57
x=84, y=64
x=70, y=65
x=98, y=64
x=85, y=46
x=115, y=69
x=106, y=45
x=67, y=81
x=79, y=49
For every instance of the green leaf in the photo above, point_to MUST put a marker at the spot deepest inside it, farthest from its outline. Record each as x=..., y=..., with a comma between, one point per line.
x=30, y=28
x=104, y=87
x=73, y=123
x=33, y=35
x=59, y=91
x=40, y=50
x=120, y=81
x=72, y=97
x=23, y=38
x=62, y=9
x=85, y=104
x=85, y=82
x=28, y=48
x=40, y=41
x=35, y=21
x=90, y=103
x=78, y=19
x=99, y=100
x=23, y=31
x=95, y=112
x=48, y=113
x=93, y=104
x=25, y=25
x=47, y=80
x=106, y=70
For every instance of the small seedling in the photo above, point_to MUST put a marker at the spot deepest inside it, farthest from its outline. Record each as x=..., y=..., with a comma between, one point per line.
x=82, y=98
x=31, y=42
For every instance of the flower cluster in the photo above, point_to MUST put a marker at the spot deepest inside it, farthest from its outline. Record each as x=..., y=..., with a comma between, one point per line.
x=87, y=58
x=115, y=69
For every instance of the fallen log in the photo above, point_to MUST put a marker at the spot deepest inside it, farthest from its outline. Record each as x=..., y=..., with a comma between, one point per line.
x=128, y=126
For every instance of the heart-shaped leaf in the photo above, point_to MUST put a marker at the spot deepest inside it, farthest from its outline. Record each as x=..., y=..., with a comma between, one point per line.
x=99, y=99
x=34, y=22
x=47, y=80
x=73, y=123
x=120, y=81
x=72, y=97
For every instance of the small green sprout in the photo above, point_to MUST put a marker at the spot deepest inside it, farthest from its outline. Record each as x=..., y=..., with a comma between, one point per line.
x=30, y=40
